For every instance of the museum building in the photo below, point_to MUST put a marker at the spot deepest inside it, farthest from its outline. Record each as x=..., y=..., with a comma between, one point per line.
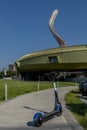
x=36, y=65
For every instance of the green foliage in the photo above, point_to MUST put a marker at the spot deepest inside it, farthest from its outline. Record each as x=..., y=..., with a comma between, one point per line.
x=1, y=74
x=11, y=73
x=77, y=107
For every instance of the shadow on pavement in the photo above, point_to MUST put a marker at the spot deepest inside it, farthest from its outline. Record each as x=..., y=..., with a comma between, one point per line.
x=34, y=109
x=31, y=123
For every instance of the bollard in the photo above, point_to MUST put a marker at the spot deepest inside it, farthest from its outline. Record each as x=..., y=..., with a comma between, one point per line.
x=38, y=86
x=6, y=94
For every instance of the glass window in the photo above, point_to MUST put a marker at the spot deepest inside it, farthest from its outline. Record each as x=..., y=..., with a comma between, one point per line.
x=53, y=59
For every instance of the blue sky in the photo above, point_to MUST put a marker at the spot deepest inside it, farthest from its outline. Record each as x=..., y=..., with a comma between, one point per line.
x=24, y=26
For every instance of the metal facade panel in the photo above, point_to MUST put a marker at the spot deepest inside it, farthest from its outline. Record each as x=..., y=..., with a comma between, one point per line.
x=74, y=57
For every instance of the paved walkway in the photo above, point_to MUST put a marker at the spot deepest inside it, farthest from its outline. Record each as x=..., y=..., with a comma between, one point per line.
x=18, y=113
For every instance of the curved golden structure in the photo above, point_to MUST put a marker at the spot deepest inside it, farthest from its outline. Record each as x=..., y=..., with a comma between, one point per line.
x=63, y=59
x=51, y=27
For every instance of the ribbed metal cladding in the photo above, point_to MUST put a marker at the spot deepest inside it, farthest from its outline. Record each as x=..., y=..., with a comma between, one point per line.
x=66, y=56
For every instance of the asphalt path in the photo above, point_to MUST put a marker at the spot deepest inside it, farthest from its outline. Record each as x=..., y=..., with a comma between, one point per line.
x=17, y=114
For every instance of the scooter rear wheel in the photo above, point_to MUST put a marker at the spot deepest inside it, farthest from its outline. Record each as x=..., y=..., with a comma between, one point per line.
x=38, y=118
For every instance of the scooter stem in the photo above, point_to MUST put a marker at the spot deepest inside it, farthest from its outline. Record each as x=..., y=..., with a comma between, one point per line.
x=56, y=95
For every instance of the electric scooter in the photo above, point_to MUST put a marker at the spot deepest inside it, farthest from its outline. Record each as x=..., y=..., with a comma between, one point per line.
x=41, y=117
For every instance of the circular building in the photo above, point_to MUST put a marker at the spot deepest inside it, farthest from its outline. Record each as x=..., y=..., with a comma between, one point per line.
x=65, y=58
x=73, y=58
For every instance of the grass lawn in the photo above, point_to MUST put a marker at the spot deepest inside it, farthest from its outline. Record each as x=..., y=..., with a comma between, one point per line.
x=77, y=107
x=16, y=88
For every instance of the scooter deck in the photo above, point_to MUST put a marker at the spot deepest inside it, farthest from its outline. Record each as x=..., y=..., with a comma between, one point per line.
x=50, y=115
